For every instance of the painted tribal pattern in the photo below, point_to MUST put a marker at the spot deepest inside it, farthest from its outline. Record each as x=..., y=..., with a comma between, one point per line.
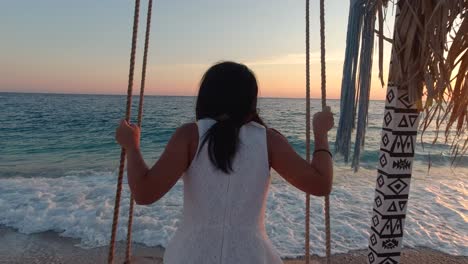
x=393, y=177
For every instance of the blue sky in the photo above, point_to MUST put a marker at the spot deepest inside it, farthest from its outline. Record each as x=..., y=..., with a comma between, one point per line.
x=83, y=46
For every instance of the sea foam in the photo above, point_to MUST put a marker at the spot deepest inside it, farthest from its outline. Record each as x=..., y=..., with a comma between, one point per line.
x=80, y=205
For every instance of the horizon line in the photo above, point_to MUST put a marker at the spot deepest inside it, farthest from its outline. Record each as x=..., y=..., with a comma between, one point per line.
x=158, y=95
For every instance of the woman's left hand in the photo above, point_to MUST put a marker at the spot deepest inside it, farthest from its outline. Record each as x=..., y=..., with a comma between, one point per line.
x=323, y=122
x=128, y=135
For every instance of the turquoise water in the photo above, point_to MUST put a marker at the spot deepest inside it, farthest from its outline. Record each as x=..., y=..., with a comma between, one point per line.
x=59, y=158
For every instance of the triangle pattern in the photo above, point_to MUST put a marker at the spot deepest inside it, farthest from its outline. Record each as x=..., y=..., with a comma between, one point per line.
x=404, y=99
x=412, y=119
x=388, y=260
x=403, y=122
x=402, y=204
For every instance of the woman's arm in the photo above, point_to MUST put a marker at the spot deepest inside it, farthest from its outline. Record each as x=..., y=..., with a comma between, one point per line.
x=315, y=178
x=150, y=184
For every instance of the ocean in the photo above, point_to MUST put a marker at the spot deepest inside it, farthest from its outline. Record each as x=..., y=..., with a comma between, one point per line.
x=59, y=160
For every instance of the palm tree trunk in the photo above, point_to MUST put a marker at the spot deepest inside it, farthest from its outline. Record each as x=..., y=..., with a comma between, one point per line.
x=398, y=140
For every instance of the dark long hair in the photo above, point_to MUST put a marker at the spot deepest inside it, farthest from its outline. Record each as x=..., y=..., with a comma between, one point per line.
x=228, y=93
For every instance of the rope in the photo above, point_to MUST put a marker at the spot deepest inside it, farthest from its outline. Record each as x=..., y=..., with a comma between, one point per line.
x=324, y=105
x=140, y=116
x=118, y=193
x=307, y=210
x=322, y=55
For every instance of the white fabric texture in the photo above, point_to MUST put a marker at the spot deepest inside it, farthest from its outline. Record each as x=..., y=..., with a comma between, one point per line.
x=223, y=214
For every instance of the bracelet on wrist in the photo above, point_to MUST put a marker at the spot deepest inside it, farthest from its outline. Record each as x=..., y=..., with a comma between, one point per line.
x=324, y=150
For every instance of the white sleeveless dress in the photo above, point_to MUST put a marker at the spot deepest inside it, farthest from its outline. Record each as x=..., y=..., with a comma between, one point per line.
x=223, y=214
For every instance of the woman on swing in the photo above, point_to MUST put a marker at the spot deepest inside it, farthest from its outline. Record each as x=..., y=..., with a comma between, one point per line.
x=224, y=160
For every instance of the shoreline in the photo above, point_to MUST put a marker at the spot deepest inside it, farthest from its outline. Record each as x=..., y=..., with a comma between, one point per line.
x=51, y=248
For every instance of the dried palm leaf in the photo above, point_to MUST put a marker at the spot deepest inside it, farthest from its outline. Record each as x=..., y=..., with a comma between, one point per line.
x=430, y=59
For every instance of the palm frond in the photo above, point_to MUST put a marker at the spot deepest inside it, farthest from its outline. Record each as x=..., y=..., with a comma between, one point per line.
x=430, y=49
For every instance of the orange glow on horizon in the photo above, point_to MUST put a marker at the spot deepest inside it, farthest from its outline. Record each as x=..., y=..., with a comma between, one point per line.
x=285, y=80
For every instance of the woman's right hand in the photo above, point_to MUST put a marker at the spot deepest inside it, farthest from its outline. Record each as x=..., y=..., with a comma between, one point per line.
x=323, y=122
x=128, y=135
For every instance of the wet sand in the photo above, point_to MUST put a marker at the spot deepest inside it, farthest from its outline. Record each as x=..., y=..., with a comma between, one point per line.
x=50, y=248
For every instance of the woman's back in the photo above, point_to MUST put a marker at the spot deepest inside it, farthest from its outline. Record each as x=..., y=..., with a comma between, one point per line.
x=226, y=182
x=223, y=215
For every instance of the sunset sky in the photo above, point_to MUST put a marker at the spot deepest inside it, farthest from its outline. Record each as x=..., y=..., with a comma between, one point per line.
x=83, y=46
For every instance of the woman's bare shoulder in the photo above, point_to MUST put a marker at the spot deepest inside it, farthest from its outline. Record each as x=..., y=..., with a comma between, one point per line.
x=274, y=136
x=184, y=134
x=188, y=133
x=188, y=129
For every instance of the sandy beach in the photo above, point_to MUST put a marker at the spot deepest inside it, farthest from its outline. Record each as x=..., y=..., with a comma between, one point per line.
x=50, y=248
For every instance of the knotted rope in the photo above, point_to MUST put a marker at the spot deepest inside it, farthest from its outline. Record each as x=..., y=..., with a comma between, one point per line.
x=324, y=105
x=139, y=118
x=307, y=216
x=118, y=193
x=115, y=219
